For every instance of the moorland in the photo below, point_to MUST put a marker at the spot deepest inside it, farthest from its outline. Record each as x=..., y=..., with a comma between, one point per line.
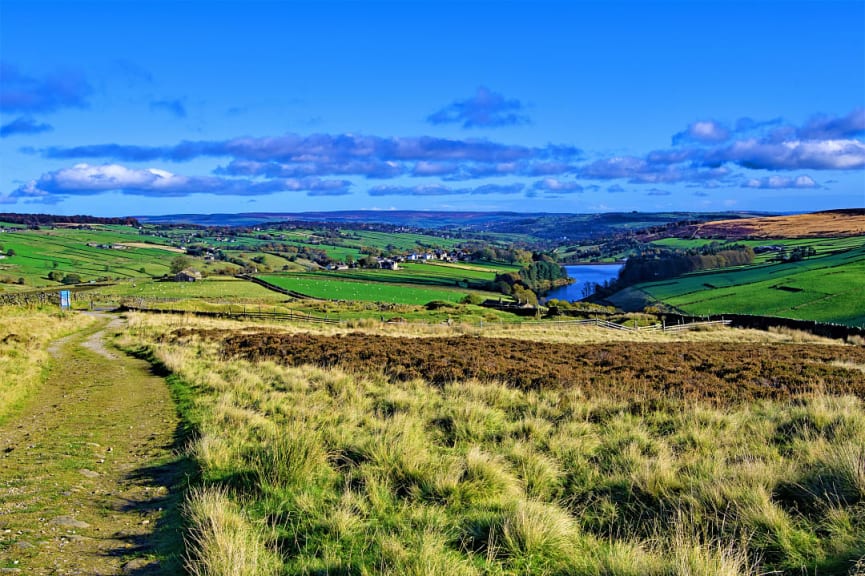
x=349, y=405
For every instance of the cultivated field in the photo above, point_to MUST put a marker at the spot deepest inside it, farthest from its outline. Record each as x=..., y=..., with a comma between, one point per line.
x=368, y=454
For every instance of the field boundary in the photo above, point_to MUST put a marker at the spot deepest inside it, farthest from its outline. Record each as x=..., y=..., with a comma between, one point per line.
x=253, y=314
x=275, y=288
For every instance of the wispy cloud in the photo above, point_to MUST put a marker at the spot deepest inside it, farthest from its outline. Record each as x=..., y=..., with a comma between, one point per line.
x=558, y=186
x=705, y=131
x=368, y=168
x=322, y=148
x=173, y=107
x=29, y=94
x=709, y=151
x=293, y=155
x=486, y=109
x=441, y=190
x=86, y=179
x=24, y=125
x=791, y=155
x=824, y=127
x=711, y=156
x=781, y=182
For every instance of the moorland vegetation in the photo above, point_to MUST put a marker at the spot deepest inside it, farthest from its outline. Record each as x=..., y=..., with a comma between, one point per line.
x=310, y=465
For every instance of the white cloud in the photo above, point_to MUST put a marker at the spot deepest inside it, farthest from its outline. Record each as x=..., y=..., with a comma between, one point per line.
x=776, y=182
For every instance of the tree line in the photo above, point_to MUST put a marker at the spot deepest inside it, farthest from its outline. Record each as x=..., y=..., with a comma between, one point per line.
x=50, y=219
x=655, y=263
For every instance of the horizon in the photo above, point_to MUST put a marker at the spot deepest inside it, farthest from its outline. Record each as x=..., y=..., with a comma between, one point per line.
x=169, y=107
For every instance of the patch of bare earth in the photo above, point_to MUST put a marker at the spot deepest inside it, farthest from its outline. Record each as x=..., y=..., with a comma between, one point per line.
x=90, y=478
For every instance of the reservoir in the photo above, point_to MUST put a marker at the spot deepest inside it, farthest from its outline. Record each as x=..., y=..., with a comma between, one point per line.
x=585, y=276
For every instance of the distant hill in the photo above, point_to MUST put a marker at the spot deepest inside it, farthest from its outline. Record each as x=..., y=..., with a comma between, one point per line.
x=413, y=218
x=828, y=224
x=540, y=225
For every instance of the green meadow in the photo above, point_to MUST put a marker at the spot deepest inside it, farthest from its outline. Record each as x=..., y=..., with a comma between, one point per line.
x=822, y=246
x=334, y=288
x=829, y=288
x=433, y=274
x=39, y=252
x=214, y=287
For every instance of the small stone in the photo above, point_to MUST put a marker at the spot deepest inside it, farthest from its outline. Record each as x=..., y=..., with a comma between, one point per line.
x=88, y=473
x=69, y=522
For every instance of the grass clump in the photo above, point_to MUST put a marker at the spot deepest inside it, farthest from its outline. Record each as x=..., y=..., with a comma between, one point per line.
x=223, y=541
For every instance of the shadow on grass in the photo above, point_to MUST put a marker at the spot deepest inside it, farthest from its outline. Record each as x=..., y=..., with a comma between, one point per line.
x=162, y=551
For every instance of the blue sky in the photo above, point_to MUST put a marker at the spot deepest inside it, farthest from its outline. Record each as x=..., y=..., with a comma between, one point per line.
x=133, y=108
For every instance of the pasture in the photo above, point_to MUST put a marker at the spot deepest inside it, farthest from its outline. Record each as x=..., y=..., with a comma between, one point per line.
x=225, y=288
x=431, y=274
x=40, y=252
x=826, y=288
x=331, y=287
x=822, y=246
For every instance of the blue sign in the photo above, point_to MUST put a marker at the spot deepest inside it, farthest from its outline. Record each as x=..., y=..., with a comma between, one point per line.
x=64, y=299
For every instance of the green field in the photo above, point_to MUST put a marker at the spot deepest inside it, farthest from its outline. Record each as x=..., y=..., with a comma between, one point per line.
x=430, y=274
x=334, y=288
x=39, y=252
x=828, y=288
x=821, y=245
x=216, y=287
x=401, y=240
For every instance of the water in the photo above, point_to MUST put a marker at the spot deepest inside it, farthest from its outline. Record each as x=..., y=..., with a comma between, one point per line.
x=585, y=276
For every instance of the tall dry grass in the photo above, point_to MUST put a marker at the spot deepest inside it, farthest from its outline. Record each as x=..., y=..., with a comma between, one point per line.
x=350, y=473
x=25, y=334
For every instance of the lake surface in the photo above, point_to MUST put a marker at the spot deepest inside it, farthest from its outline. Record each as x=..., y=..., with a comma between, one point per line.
x=585, y=276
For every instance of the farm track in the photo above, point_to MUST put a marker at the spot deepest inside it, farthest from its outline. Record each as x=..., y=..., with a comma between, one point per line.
x=90, y=477
x=716, y=373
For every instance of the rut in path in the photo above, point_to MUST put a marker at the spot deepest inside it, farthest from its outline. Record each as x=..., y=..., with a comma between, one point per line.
x=91, y=474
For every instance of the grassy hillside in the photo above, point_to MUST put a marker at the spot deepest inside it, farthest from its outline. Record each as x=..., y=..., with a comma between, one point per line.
x=832, y=223
x=320, y=470
x=826, y=288
x=115, y=252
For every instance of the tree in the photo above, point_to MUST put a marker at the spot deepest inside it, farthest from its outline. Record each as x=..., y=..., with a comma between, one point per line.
x=71, y=279
x=179, y=263
x=10, y=252
x=525, y=296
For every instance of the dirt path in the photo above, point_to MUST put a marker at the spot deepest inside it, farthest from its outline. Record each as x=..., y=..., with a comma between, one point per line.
x=90, y=475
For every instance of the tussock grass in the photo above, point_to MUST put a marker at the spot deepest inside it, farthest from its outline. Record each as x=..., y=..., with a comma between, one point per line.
x=223, y=541
x=326, y=471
